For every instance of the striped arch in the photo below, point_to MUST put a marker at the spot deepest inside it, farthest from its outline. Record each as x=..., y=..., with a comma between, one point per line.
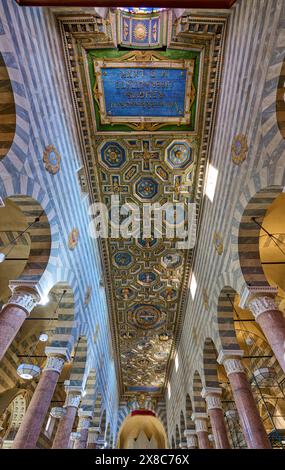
x=103, y=424
x=225, y=315
x=88, y=401
x=40, y=237
x=189, y=411
x=65, y=331
x=7, y=110
x=272, y=123
x=79, y=363
x=183, y=441
x=44, y=254
x=97, y=411
x=199, y=402
x=210, y=364
x=249, y=233
x=177, y=437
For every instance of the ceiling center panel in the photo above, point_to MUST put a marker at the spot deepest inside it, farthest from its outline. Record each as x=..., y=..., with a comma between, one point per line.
x=144, y=91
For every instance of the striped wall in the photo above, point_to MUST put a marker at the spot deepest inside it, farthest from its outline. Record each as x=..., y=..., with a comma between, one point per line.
x=79, y=363
x=44, y=116
x=252, y=74
x=7, y=111
x=189, y=411
x=88, y=401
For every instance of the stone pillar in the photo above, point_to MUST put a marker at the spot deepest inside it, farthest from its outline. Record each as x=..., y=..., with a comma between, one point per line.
x=261, y=303
x=13, y=314
x=201, y=425
x=29, y=431
x=215, y=411
x=253, y=429
x=93, y=434
x=191, y=439
x=83, y=426
x=64, y=429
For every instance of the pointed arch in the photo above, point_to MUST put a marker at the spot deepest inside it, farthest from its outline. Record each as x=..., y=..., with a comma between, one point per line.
x=189, y=411
x=7, y=110
x=225, y=317
x=210, y=364
x=199, y=402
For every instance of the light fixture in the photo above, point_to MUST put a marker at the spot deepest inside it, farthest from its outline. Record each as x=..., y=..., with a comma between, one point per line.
x=43, y=337
x=2, y=257
x=57, y=412
x=211, y=182
x=28, y=371
x=74, y=436
x=249, y=341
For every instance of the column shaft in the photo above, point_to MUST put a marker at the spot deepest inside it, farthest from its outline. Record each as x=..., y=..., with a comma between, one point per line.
x=29, y=431
x=272, y=324
x=219, y=428
x=11, y=320
x=64, y=429
x=253, y=429
x=203, y=440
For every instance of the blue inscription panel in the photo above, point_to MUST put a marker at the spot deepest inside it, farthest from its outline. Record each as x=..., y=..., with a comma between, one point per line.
x=144, y=92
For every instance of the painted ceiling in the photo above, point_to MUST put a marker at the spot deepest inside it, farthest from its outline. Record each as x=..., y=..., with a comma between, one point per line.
x=144, y=91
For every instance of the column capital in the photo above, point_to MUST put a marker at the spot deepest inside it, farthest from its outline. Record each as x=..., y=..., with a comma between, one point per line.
x=189, y=433
x=201, y=421
x=213, y=397
x=259, y=299
x=93, y=434
x=84, y=414
x=84, y=422
x=57, y=412
x=58, y=352
x=54, y=363
x=24, y=294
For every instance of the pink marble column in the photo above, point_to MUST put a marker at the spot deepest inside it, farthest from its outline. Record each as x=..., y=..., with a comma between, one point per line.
x=83, y=426
x=93, y=434
x=29, y=431
x=253, y=429
x=201, y=425
x=271, y=321
x=64, y=429
x=216, y=415
x=14, y=313
x=191, y=439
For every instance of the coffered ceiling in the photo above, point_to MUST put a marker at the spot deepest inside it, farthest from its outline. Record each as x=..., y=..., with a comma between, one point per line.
x=144, y=92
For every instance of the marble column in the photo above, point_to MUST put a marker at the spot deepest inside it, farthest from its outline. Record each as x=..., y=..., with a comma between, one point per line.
x=83, y=426
x=252, y=425
x=260, y=301
x=201, y=425
x=64, y=429
x=93, y=434
x=13, y=314
x=191, y=439
x=29, y=431
x=215, y=410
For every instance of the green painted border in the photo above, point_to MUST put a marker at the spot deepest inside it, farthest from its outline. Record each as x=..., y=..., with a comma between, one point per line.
x=170, y=54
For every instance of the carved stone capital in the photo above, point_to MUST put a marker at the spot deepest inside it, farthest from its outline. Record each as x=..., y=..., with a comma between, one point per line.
x=72, y=399
x=58, y=352
x=191, y=439
x=84, y=423
x=201, y=422
x=233, y=366
x=213, y=397
x=259, y=299
x=25, y=295
x=261, y=304
x=54, y=363
x=93, y=434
